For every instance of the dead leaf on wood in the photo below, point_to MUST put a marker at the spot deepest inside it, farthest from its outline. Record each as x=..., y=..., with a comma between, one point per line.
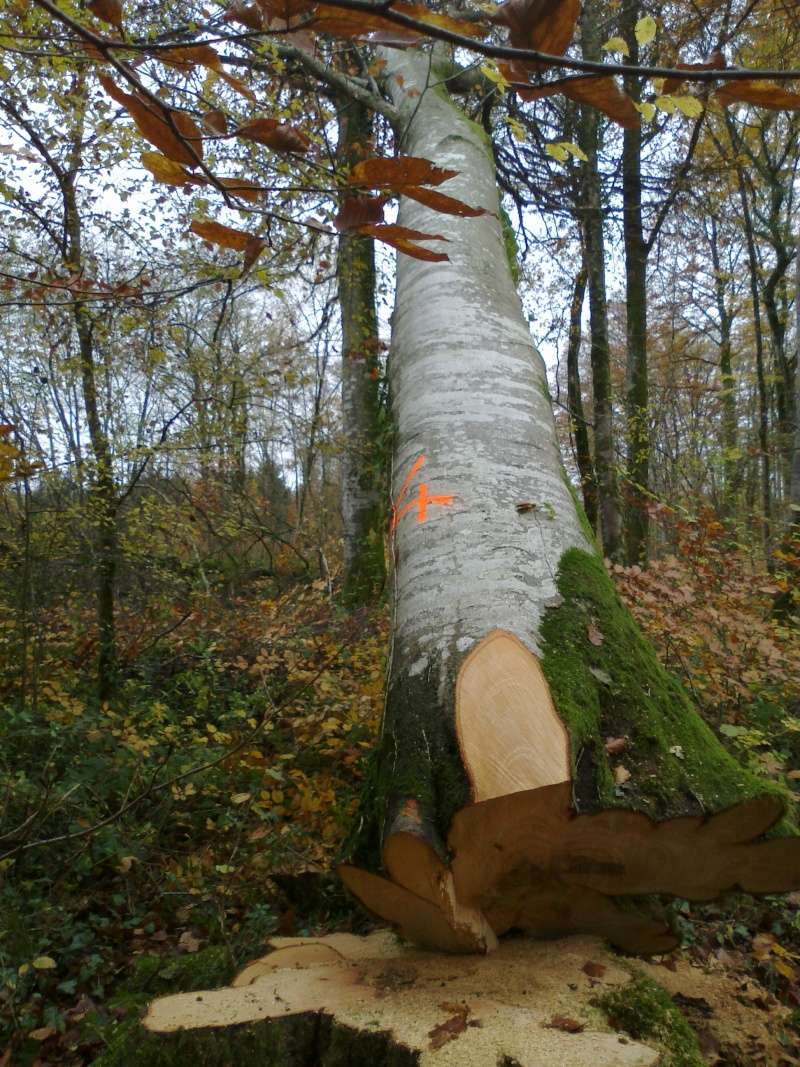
x=563, y=1022
x=450, y=1029
x=594, y=634
x=594, y=970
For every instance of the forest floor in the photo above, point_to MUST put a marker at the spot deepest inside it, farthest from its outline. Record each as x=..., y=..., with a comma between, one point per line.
x=154, y=843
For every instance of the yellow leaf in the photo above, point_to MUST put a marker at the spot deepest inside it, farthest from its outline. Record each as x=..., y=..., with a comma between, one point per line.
x=560, y=150
x=666, y=103
x=44, y=963
x=646, y=29
x=240, y=798
x=165, y=170
x=516, y=127
x=691, y=107
x=785, y=969
x=646, y=110
x=490, y=71
x=616, y=44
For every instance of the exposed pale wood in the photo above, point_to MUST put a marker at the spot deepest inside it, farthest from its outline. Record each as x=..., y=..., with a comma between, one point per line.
x=298, y=955
x=412, y=863
x=380, y=985
x=414, y=917
x=510, y=735
x=531, y=844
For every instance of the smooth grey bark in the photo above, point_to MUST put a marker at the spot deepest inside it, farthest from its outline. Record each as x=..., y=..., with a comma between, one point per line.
x=474, y=438
x=364, y=486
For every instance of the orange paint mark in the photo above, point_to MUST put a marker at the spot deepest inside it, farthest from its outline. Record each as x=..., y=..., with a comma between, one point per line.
x=422, y=500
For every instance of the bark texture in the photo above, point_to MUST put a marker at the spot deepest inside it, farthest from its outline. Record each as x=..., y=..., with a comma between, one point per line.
x=482, y=509
x=363, y=458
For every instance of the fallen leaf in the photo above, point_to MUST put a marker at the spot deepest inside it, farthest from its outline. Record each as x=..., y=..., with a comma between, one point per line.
x=615, y=745
x=42, y=1033
x=594, y=634
x=44, y=963
x=621, y=775
x=188, y=942
x=450, y=1029
x=594, y=970
x=601, y=676
x=563, y=1022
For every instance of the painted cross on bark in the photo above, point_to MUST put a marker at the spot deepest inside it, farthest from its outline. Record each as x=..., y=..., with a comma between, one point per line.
x=420, y=502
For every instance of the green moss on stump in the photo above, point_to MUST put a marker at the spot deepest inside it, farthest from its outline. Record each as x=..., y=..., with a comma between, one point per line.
x=615, y=686
x=645, y=1011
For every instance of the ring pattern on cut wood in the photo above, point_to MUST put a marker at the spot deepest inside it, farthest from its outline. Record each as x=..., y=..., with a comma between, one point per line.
x=520, y=857
x=420, y=503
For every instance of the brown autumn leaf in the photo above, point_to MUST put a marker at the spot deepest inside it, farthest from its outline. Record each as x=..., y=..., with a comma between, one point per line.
x=544, y=25
x=216, y=122
x=217, y=234
x=594, y=635
x=448, y=205
x=604, y=94
x=243, y=187
x=187, y=57
x=716, y=61
x=359, y=211
x=156, y=129
x=615, y=745
x=563, y=1022
x=404, y=240
x=286, y=9
x=274, y=135
x=249, y=15
x=397, y=172
x=594, y=970
x=109, y=11
x=6, y=428
x=252, y=250
x=338, y=22
x=451, y=1028
x=762, y=94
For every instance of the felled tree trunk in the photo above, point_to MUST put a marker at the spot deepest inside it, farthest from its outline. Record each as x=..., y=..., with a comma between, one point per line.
x=521, y=692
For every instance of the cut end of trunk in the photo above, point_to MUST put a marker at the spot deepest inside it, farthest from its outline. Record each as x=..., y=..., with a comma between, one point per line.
x=509, y=732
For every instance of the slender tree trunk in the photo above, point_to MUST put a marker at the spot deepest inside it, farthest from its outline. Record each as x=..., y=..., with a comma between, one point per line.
x=364, y=457
x=637, y=393
x=103, y=494
x=594, y=252
x=580, y=430
x=763, y=400
x=731, y=459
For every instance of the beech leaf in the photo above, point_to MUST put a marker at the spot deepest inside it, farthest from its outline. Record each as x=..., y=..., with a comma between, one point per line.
x=165, y=170
x=616, y=44
x=403, y=239
x=645, y=29
x=762, y=94
x=274, y=135
x=543, y=25
x=217, y=234
x=155, y=128
x=359, y=211
x=397, y=172
x=448, y=205
x=109, y=11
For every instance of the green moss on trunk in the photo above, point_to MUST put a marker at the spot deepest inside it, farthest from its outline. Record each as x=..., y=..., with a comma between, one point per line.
x=607, y=681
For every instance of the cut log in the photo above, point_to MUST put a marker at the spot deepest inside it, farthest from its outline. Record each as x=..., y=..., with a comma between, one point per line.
x=507, y=1007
